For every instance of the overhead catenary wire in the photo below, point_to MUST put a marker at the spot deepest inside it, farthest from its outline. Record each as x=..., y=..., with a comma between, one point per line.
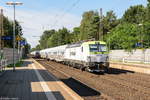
x=62, y=9
x=57, y=14
x=68, y=10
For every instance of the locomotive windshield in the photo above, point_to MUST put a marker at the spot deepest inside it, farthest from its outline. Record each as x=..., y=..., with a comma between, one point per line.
x=97, y=48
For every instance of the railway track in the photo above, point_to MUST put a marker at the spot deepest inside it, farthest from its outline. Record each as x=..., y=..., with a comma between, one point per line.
x=85, y=91
x=117, y=84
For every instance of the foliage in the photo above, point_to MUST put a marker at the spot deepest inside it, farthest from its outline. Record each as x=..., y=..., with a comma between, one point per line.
x=124, y=36
x=8, y=31
x=148, y=11
x=146, y=35
x=89, y=25
x=132, y=31
x=109, y=22
x=52, y=38
x=135, y=14
x=27, y=48
x=44, y=38
x=74, y=36
x=18, y=64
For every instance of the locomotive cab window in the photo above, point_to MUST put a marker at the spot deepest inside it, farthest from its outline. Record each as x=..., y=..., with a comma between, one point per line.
x=97, y=48
x=102, y=48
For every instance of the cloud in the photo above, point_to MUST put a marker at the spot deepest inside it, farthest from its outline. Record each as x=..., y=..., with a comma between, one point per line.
x=35, y=22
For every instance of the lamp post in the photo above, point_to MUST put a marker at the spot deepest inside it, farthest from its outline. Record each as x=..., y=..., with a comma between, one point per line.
x=1, y=32
x=14, y=26
x=109, y=40
x=141, y=40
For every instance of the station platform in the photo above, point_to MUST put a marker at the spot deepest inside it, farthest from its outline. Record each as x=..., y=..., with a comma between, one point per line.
x=140, y=68
x=31, y=81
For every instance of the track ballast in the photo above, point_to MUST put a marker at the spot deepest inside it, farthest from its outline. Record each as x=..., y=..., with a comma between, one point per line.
x=116, y=84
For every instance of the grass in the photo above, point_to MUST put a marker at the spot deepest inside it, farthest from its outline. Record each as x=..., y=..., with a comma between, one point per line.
x=18, y=64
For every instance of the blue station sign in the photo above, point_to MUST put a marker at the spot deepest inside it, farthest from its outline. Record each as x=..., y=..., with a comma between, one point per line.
x=6, y=37
x=23, y=42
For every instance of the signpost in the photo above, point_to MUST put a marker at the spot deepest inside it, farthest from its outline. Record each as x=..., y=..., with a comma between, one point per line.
x=7, y=37
x=22, y=42
x=18, y=38
x=138, y=44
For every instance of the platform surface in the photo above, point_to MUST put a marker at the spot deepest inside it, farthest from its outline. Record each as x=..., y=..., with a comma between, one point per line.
x=140, y=68
x=33, y=82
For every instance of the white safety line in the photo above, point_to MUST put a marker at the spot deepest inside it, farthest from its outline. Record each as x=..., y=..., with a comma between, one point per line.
x=66, y=89
x=45, y=87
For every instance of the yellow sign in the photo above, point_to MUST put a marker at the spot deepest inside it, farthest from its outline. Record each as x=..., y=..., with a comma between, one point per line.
x=18, y=38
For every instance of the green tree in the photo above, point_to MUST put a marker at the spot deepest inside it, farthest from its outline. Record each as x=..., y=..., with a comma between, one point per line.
x=145, y=35
x=27, y=48
x=53, y=40
x=8, y=31
x=61, y=37
x=109, y=22
x=89, y=27
x=148, y=11
x=74, y=36
x=135, y=14
x=124, y=36
x=44, y=38
x=124, y=33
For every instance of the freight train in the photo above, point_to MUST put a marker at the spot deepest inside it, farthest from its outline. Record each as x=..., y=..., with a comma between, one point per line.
x=90, y=55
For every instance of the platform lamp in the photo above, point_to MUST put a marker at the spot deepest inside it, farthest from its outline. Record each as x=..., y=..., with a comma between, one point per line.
x=14, y=26
x=1, y=30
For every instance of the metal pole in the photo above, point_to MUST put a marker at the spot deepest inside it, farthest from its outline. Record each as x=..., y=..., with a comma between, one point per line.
x=18, y=43
x=100, y=24
x=109, y=42
x=18, y=50
x=14, y=26
x=1, y=34
x=2, y=42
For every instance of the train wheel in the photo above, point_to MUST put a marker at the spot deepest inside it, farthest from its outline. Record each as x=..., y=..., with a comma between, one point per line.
x=82, y=68
x=106, y=69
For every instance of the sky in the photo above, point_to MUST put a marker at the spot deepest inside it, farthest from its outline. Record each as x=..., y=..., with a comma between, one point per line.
x=35, y=16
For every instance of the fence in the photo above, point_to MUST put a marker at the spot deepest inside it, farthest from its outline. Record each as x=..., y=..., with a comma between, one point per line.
x=7, y=58
x=3, y=64
x=138, y=56
x=8, y=53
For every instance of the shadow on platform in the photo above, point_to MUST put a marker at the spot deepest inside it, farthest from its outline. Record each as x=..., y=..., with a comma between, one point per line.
x=80, y=88
x=26, y=63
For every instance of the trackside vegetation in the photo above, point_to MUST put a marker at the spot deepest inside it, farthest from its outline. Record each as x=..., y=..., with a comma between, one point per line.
x=18, y=64
x=131, y=31
x=8, y=32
